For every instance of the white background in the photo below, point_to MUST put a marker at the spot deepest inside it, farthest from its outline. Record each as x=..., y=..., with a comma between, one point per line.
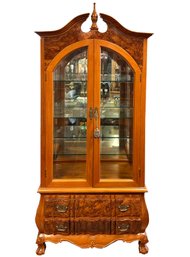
x=167, y=121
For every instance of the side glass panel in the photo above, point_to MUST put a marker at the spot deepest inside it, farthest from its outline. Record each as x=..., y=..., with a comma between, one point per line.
x=70, y=116
x=116, y=116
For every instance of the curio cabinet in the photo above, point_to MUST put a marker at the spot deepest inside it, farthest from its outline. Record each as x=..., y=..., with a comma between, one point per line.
x=92, y=135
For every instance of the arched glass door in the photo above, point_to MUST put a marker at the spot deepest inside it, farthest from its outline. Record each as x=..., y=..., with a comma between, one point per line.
x=116, y=116
x=70, y=116
x=116, y=135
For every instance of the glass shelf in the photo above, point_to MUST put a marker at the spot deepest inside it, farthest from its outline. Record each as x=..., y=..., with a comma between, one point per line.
x=62, y=140
x=70, y=154
x=79, y=132
x=77, y=108
x=71, y=113
x=68, y=81
x=79, y=102
x=70, y=76
x=116, y=81
x=71, y=137
x=106, y=137
x=113, y=100
x=76, y=79
x=117, y=76
x=115, y=154
x=64, y=116
x=116, y=112
x=108, y=106
x=76, y=101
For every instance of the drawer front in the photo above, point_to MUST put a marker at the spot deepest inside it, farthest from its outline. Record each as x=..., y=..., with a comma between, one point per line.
x=128, y=226
x=128, y=205
x=92, y=206
x=124, y=226
x=92, y=226
x=57, y=227
x=66, y=227
x=58, y=206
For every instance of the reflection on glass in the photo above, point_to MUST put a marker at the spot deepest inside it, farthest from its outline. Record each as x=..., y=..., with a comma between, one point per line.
x=116, y=110
x=70, y=128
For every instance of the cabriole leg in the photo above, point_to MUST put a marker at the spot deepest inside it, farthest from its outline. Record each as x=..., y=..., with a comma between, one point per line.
x=41, y=245
x=143, y=248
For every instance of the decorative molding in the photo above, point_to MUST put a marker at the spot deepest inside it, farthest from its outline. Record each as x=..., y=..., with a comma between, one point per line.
x=87, y=241
x=54, y=190
x=94, y=18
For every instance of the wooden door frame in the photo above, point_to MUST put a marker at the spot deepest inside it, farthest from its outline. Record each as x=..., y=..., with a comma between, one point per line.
x=48, y=131
x=97, y=181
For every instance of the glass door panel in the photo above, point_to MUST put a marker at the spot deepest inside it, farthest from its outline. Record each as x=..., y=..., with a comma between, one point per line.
x=70, y=116
x=116, y=117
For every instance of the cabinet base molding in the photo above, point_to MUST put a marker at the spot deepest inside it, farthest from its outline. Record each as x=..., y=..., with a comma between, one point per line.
x=86, y=241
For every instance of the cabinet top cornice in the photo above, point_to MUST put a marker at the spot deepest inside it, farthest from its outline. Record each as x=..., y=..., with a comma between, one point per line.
x=79, y=20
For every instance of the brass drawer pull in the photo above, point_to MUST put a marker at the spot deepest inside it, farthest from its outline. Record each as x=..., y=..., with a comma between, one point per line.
x=123, y=227
x=123, y=207
x=61, y=228
x=61, y=208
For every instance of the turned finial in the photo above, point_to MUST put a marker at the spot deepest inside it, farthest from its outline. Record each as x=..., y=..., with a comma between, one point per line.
x=94, y=18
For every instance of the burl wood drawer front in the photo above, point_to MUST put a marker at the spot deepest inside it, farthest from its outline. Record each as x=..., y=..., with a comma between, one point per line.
x=128, y=205
x=58, y=206
x=127, y=226
x=92, y=226
x=57, y=227
x=92, y=206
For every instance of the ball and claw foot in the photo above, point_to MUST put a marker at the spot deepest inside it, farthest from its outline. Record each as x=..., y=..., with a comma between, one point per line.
x=41, y=249
x=143, y=248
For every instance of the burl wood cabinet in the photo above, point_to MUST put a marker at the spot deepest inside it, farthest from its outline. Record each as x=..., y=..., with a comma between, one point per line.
x=92, y=135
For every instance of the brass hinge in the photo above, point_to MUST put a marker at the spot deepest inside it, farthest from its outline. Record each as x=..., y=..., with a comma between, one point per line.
x=139, y=170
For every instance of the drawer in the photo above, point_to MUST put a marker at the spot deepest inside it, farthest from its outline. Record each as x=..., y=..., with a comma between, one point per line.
x=57, y=226
x=57, y=206
x=86, y=226
x=128, y=205
x=92, y=206
x=93, y=227
x=127, y=226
